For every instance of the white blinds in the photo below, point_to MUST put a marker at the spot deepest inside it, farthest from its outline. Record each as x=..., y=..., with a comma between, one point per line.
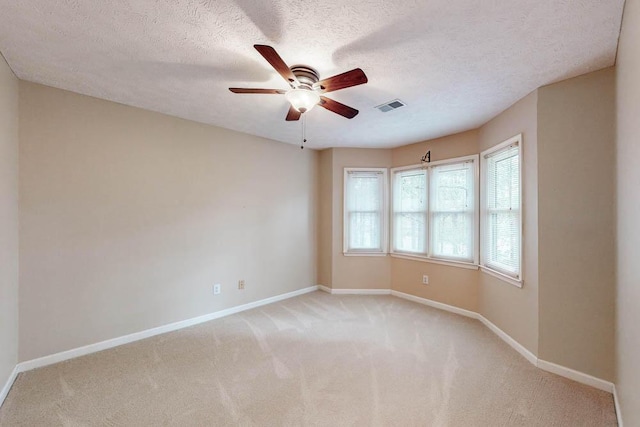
x=364, y=203
x=410, y=211
x=452, y=211
x=501, y=239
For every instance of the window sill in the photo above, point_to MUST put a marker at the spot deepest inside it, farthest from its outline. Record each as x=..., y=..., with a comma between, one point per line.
x=364, y=254
x=465, y=265
x=515, y=282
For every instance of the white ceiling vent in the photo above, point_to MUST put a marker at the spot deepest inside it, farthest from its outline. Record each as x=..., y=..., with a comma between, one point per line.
x=391, y=105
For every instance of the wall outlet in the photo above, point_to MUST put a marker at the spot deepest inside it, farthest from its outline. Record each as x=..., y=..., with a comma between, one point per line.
x=241, y=284
x=425, y=280
x=216, y=289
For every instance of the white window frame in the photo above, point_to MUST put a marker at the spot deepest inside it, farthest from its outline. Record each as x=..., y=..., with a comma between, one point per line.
x=516, y=280
x=384, y=218
x=476, y=223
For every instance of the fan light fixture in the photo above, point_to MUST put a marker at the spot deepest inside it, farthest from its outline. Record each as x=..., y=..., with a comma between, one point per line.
x=306, y=86
x=302, y=99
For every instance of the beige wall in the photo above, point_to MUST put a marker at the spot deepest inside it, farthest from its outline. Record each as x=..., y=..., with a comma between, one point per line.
x=628, y=215
x=129, y=217
x=325, y=218
x=450, y=285
x=8, y=221
x=457, y=145
x=355, y=272
x=576, y=134
x=512, y=309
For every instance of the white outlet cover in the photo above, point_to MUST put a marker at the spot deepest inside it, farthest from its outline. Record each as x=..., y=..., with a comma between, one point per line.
x=216, y=289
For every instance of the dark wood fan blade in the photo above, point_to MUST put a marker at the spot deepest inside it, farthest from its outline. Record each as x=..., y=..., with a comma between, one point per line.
x=341, y=81
x=338, y=108
x=293, y=114
x=265, y=91
x=276, y=62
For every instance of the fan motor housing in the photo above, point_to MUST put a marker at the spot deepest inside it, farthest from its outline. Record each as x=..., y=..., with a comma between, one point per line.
x=305, y=74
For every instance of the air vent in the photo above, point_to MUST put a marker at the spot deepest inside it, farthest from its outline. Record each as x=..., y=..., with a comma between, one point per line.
x=391, y=105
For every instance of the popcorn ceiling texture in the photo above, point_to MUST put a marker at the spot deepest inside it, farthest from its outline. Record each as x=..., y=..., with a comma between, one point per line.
x=456, y=64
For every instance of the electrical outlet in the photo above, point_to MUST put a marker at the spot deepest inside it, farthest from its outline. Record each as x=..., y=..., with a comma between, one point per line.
x=216, y=289
x=425, y=280
x=241, y=284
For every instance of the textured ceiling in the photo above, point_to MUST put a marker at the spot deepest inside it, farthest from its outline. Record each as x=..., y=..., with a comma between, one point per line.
x=455, y=63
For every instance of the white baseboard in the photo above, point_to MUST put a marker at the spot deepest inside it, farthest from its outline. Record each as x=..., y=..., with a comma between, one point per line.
x=324, y=288
x=103, y=345
x=8, y=384
x=335, y=291
x=616, y=402
x=436, y=304
x=361, y=291
x=509, y=340
x=92, y=348
x=574, y=375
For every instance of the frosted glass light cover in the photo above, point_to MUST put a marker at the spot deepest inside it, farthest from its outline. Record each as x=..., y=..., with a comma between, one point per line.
x=302, y=100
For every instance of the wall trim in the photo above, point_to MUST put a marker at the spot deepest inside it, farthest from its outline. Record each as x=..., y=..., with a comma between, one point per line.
x=616, y=403
x=578, y=376
x=136, y=336
x=360, y=291
x=436, y=304
x=526, y=353
x=5, y=390
x=335, y=291
x=324, y=288
x=562, y=371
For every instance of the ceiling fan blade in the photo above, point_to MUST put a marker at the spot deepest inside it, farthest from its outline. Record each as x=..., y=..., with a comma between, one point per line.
x=293, y=114
x=276, y=62
x=354, y=77
x=265, y=91
x=338, y=108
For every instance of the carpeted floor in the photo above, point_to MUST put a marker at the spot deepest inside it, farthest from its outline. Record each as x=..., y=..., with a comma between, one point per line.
x=318, y=359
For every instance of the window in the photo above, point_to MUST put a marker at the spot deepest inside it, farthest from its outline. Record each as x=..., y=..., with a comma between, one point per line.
x=365, y=206
x=435, y=213
x=501, y=209
x=453, y=211
x=410, y=211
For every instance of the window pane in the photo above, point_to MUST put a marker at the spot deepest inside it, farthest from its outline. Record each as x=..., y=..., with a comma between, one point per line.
x=452, y=235
x=364, y=230
x=504, y=241
x=453, y=189
x=410, y=232
x=364, y=193
x=412, y=192
x=503, y=180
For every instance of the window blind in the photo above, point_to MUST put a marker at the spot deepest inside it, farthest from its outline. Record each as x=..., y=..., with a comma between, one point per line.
x=364, y=203
x=410, y=211
x=501, y=242
x=452, y=211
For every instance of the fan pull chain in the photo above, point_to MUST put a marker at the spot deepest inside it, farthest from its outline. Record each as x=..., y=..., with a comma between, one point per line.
x=304, y=130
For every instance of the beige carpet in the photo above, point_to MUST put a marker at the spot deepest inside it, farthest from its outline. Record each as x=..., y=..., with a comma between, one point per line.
x=318, y=359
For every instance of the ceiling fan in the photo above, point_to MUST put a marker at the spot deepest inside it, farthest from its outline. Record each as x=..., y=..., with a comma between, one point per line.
x=306, y=87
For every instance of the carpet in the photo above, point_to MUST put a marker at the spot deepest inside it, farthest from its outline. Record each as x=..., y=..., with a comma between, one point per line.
x=313, y=360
